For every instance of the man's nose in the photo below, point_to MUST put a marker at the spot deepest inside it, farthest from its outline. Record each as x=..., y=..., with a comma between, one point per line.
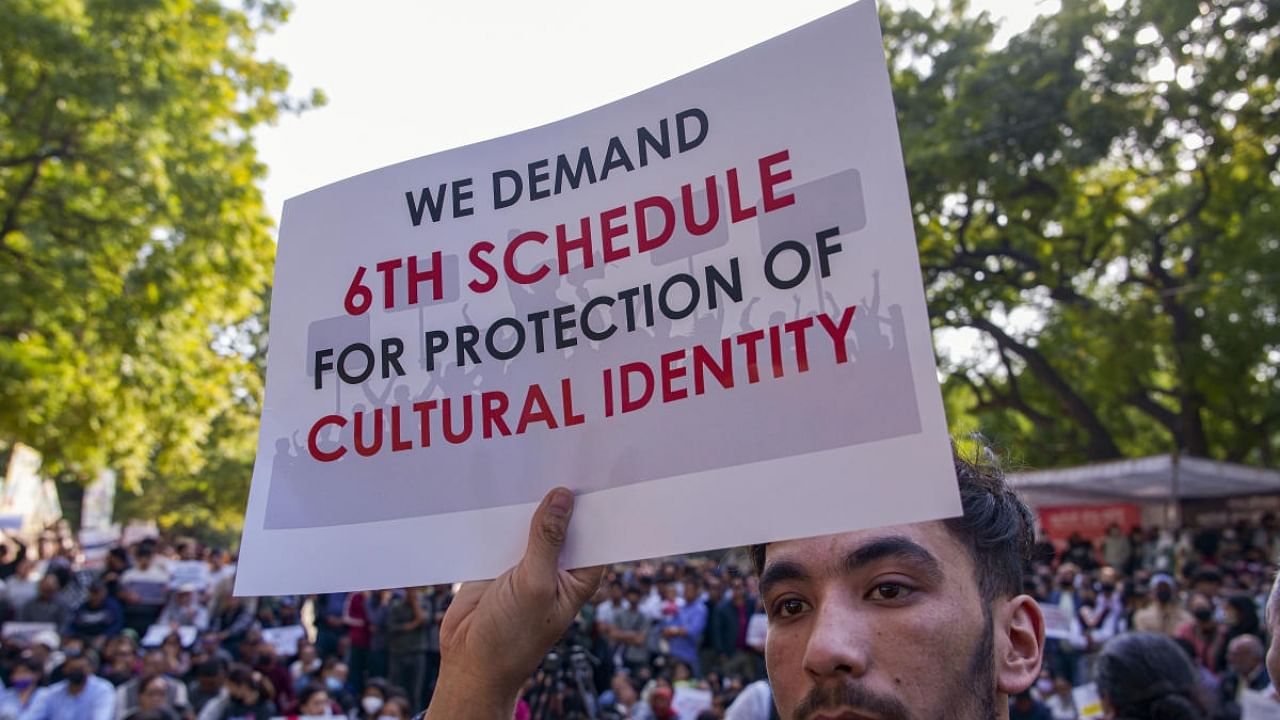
x=839, y=642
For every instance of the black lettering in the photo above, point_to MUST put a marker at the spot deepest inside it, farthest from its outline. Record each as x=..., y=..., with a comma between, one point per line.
x=615, y=157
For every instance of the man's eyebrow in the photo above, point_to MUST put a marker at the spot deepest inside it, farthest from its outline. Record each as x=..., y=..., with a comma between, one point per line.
x=779, y=572
x=894, y=547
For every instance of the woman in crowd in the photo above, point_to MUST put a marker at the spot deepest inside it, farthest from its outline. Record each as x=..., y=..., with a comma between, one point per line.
x=396, y=708
x=372, y=700
x=1143, y=676
x=314, y=701
x=176, y=659
x=250, y=695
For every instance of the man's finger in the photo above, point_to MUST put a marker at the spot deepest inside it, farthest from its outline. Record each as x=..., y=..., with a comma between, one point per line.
x=585, y=582
x=547, y=533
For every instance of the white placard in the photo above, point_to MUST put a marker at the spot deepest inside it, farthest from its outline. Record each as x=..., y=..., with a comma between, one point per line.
x=189, y=572
x=689, y=702
x=1259, y=705
x=26, y=630
x=707, y=292
x=1088, y=703
x=157, y=633
x=1058, y=623
x=284, y=639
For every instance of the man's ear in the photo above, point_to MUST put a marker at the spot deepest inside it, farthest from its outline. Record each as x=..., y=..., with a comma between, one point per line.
x=1019, y=643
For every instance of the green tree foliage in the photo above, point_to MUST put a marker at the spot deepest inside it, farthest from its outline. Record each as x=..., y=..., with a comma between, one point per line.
x=135, y=252
x=1098, y=203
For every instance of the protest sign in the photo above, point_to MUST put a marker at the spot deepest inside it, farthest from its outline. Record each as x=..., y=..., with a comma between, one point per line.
x=27, y=631
x=157, y=633
x=1058, y=624
x=284, y=639
x=1090, y=522
x=149, y=592
x=189, y=572
x=704, y=295
x=690, y=702
x=1088, y=703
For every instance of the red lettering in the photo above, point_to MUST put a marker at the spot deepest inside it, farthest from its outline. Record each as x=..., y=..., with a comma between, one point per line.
x=797, y=329
x=630, y=402
x=509, y=258
x=314, y=448
x=748, y=341
x=376, y=445
x=582, y=244
x=450, y=434
x=839, y=332
x=643, y=242
x=397, y=443
x=388, y=269
x=424, y=407
x=417, y=277
x=478, y=261
x=529, y=414
x=737, y=213
x=723, y=372
x=609, y=231
x=566, y=398
x=495, y=404
x=670, y=372
x=769, y=180
x=359, y=297
x=713, y=207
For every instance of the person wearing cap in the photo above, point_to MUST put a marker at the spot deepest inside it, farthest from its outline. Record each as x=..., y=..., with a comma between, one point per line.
x=184, y=609
x=1164, y=614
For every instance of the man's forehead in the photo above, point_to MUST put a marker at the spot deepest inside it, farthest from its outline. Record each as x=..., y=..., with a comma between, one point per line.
x=828, y=552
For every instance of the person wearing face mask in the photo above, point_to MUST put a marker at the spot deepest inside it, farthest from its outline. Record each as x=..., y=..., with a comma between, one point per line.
x=81, y=696
x=371, y=700
x=1164, y=615
x=23, y=690
x=1205, y=634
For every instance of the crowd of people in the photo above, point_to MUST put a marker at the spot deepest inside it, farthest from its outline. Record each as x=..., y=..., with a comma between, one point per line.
x=153, y=630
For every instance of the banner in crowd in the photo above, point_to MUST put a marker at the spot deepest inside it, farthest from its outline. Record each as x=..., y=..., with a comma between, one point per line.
x=699, y=307
x=1089, y=521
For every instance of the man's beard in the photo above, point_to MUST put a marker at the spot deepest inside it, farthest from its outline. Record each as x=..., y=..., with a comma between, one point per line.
x=969, y=695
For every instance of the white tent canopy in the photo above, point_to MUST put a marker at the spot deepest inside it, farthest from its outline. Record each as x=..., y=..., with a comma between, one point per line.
x=1159, y=479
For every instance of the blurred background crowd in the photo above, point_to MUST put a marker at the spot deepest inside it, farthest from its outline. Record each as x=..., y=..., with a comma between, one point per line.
x=153, y=630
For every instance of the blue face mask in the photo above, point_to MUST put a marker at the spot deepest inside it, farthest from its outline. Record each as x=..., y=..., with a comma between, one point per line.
x=333, y=683
x=23, y=684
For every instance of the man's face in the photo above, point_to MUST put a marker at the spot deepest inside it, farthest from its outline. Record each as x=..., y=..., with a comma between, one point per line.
x=886, y=624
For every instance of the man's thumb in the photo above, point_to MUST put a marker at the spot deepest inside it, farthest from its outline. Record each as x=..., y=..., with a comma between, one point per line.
x=548, y=530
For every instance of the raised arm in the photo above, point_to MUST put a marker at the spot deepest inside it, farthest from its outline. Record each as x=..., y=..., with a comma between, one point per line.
x=496, y=633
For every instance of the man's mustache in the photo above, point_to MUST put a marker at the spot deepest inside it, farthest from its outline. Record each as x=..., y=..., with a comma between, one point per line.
x=850, y=695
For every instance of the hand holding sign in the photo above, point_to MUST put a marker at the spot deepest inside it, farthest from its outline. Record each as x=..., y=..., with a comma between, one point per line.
x=485, y=663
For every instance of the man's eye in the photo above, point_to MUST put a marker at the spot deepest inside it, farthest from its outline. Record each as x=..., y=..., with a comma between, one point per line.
x=789, y=608
x=889, y=591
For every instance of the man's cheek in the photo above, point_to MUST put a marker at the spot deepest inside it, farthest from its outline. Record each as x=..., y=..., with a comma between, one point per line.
x=784, y=663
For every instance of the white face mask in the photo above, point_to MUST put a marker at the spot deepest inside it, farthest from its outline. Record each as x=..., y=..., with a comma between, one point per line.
x=371, y=704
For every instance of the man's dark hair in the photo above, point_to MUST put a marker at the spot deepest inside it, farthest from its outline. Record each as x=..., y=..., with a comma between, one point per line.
x=997, y=528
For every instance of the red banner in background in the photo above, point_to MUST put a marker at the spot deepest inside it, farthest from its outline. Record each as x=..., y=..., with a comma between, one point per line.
x=1091, y=521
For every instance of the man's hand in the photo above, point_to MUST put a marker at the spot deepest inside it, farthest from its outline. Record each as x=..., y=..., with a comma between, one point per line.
x=496, y=633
